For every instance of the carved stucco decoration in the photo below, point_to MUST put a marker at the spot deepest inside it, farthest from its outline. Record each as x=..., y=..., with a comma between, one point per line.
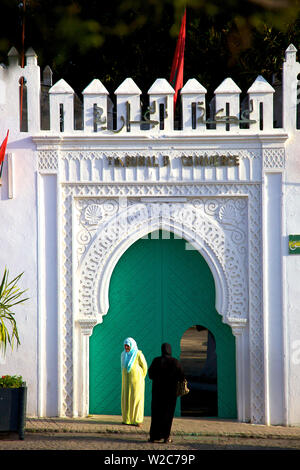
x=204, y=204
x=217, y=227
x=274, y=158
x=220, y=218
x=70, y=162
x=205, y=198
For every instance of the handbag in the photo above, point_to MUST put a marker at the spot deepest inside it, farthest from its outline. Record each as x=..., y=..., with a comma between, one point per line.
x=182, y=388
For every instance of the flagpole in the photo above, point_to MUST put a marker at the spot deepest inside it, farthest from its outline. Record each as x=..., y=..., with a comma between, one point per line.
x=22, y=62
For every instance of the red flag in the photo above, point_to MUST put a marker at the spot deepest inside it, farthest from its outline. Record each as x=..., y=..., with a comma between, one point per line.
x=176, y=78
x=3, y=148
x=2, y=152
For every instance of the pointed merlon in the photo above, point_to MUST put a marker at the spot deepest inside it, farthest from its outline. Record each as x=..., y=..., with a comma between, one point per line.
x=260, y=85
x=291, y=48
x=128, y=87
x=228, y=86
x=95, y=88
x=161, y=87
x=61, y=87
x=47, y=76
x=13, y=52
x=30, y=53
x=13, y=57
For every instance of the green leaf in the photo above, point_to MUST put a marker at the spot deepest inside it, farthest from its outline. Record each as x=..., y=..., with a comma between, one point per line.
x=10, y=296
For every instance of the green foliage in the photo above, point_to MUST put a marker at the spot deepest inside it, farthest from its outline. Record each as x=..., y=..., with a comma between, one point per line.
x=81, y=40
x=10, y=296
x=11, y=381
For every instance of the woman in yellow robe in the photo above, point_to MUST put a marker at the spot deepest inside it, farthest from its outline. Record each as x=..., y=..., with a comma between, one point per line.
x=134, y=370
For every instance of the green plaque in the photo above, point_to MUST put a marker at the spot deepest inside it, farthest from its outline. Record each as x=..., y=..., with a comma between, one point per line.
x=294, y=244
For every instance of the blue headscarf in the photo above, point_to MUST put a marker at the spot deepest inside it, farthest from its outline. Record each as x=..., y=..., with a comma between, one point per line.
x=127, y=358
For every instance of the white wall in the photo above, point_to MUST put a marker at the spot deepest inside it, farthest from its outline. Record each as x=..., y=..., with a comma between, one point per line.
x=30, y=220
x=18, y=242
x=291, y=280
x=272, y=298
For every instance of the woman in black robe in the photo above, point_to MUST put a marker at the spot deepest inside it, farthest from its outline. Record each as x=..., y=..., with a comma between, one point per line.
x=165, y=372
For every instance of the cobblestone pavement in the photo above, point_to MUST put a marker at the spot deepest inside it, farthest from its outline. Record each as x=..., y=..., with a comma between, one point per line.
x=109, y=442
x=188, y=434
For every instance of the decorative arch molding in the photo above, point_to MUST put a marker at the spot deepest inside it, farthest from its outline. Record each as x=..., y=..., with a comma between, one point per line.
x=187, y=220
x=201, y=246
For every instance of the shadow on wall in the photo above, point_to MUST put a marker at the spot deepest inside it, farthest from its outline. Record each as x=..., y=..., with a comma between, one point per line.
x=199, y=360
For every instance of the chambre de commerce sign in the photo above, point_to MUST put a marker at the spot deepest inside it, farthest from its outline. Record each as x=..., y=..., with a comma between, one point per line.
x=164, y=160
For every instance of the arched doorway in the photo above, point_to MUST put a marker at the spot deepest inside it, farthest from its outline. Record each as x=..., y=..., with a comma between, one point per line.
x=157, y=290
x=199, y=360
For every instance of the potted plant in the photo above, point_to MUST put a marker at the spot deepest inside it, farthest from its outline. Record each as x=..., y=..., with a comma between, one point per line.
x=13, y=395
x=13, y=390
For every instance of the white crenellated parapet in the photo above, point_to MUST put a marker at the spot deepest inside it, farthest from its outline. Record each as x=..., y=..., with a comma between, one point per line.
x=261, y=104
x=13, y=57
x=128, y=106
x=225, y=112
x=227, y=106
x=61, y=107
x=95, y=106
x=161, y=105
x=193, y=106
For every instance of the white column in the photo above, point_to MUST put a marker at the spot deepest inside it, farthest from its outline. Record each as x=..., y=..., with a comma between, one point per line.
x=241, y=332
x=48, y=304
x=273, y=299
x=83, y=331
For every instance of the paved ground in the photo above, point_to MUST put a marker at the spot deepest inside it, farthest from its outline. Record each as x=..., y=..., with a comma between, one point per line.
x=188, y=434
x=191, y=435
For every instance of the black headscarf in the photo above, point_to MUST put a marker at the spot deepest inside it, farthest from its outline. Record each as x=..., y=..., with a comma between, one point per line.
x=166, y=350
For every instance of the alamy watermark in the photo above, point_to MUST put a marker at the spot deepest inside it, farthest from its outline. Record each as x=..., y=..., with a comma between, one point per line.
x=144, y=214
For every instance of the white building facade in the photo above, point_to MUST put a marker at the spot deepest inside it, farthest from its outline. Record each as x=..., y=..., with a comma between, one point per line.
x=73, y=200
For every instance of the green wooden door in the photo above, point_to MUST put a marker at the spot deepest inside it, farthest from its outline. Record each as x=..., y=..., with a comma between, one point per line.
x=158, y=289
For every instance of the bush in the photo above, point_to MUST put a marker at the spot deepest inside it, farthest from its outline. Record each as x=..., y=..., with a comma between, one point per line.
x=11, y=381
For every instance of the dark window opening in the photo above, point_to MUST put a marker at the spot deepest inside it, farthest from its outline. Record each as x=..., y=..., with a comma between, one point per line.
x=261, y=116
x=194, y=110
x=61, y=118
x=23, y=105
x=298, y=103
x=95, y=117
x=161, y=116
x=227, y=115
x=199, y=360
x=127, y=116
